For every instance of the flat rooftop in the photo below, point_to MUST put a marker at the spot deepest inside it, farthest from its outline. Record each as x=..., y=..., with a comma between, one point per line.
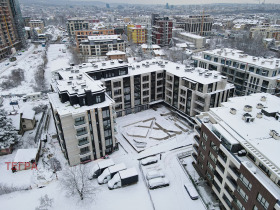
x=105, y=37
x=244, y=58
x=255, y=136
x=180, y=70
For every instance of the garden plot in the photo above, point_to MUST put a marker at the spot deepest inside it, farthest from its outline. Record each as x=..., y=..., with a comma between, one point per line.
x=150, y=128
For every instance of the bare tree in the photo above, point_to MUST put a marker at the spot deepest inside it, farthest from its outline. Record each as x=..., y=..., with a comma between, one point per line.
x=13, y=80
x=45, y=203
x=75, y=181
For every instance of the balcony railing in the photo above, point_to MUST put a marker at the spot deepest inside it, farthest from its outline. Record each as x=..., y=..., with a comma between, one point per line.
x=80, y=133
x=235, y=170
x=81, y=122
x=196, y=138
x=81, y=143
x=198, y=129
x=84, y=152
x=232, y=182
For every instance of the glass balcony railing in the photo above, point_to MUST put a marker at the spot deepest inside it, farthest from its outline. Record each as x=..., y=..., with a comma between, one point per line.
x=80, y=133
x=81, y=143
x=81, y=122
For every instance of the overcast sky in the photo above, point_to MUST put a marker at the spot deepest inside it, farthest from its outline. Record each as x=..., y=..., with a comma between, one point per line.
x=170, y=2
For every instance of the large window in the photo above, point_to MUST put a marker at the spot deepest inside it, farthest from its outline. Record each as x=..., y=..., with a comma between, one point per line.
x=239, y=205
x=242, y=194
x=245, y=181
x=262, y=201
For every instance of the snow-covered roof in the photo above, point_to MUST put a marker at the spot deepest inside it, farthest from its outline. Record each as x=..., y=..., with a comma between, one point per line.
x=25, y=155
x=27, y=112
x=105, y=163
x=103, y=37
x=154, y=46
x=117, y=167
x=128, y=173
x=115, y=52
x=194, y=36
x=254, y=136
x=16, y=121
x=244, y=58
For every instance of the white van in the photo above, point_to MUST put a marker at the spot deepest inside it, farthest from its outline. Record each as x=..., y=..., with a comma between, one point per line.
x=191, y=191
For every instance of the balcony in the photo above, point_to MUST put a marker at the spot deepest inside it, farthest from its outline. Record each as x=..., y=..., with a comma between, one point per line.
x=196, y=138
x=222, y=158
x=194, y=156
x=84, y=153
x=229, y=192
x=198, y=130
x=195, y=149
x=83, y=143
x=81, y=133
x=200, y=102
x=78, y=124
x=231, y=183
x=235, y=170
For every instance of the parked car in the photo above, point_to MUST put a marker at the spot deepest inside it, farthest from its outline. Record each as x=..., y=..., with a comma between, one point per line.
x=149, y=160
x=154, y=174
x=7, y=64
x=109, y=172
x=100, y=167
x=158, y=182
x=123, y=178
x=14, y=102
x=191, y=191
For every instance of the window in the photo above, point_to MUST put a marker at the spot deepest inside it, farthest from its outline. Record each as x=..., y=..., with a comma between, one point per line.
x=265, y=169
x=214, y=147
x=203, y=145
x=210, y=167
x=98, y=99
x=106, y=113
x=255, y=208
x=262, y=201
x=239, y=205
x=205, y=136
x=242, y=194
x=213, y=158
x=245, y=181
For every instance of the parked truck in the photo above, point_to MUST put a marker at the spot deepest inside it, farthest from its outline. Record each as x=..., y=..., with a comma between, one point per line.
x=100, y=167
x=109, y=172
x=123, y=178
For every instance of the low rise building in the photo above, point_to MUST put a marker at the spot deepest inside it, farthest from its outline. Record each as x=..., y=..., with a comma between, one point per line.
x=193, y=41
x=100, y=45
x=236, y=149
x=249, y=74
x=115, y=55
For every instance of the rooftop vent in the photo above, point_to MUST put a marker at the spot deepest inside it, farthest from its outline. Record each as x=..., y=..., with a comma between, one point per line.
x=232, y=111
x=206, y=75
x=76, y=90
x=162, y=66
x=138, y=66
x=77, y=71
x=248, y=108
x=177, y=67
x=223, y=77
x=80, y=66
x=259, y=115
x=166, y=62
x=206, y=119
x=72, y=64
x=277, y=116
x=133, y=68
x=200, y=73
x=259, y=106
x=69, y=83
x=120, y=61
x=71, y=78
x=83, y=86
x=112, y=62
x=73, y=87
x=103, y=64
x=248, y=118
x=263, y=98
x=262, y=62
x=72, y=71
x=216, y=76
x=274, y=134
x=68, y=69
x=95, y=66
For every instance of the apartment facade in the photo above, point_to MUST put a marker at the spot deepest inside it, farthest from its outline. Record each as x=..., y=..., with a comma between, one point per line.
x=83, y=34
x=37, y=24
x=101, y=45
x=198, y=42
x=136, y=34
x=84, y=117
x=249, y=74
x=12, y=33
x=196, y=24
x=236, y=151
x=162, y=31
x=88, y=97
x=77, y=24
x=267, y=32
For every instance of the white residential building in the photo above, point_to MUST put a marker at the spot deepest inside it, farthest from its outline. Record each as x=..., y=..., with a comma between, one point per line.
x=249, y=74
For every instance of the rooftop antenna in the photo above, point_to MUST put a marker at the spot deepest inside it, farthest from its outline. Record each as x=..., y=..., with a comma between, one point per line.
x=149, y=39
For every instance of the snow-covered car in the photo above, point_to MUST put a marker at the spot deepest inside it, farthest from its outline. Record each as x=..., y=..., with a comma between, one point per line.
x=7, y=64
x=158, y=182
x=149, y=160
x=154, y=174
x=191, y=191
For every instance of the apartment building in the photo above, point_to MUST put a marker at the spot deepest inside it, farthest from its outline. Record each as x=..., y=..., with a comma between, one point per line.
x=249, y=74
x=196, y=24
x=37, y=24
x=136, y=34
x=77, y=24
x=195, y=42
x=268, y=32
x=162, y=31
x=83, y=34
x=87, y=96
x=12, y=33
x=84, y=116
x=100, y=45
x=236, y=150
